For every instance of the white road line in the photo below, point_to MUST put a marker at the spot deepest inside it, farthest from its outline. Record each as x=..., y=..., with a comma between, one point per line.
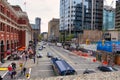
x=84, y=69
x=59, y=53
x=29, y=73
x=44, y=70
x=4, y=74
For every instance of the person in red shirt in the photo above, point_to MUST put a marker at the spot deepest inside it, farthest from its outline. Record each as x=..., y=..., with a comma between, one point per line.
x=10, y=69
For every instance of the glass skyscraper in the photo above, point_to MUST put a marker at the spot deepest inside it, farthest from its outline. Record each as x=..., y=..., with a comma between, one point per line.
x=108, y=18
x=81, y=14
x=38, y=23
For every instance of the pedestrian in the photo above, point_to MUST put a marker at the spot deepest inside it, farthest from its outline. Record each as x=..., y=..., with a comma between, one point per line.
x=24, y=71
x=13, y=65
x=26, y=56
x=11, y=74
x=1, y=77
x=10, y=69
x=34, y=59
x=14, y=73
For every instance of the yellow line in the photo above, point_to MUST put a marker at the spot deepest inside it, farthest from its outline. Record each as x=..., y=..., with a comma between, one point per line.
x=3, y=68
x=63, y=56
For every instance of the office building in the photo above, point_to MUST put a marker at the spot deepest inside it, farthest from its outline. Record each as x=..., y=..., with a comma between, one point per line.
x=108, y=18
x=38, y=24
x=117, y=15
x=53, y=30
x=81, y=15
x=36, y=29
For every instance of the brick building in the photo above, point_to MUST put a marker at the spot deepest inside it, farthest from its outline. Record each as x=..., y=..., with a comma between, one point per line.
x=15, y=30
x=53, y=29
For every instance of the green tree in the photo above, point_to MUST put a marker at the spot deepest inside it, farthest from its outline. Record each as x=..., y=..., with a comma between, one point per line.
x=40, y=37
x=69, y=37
x=61, y=38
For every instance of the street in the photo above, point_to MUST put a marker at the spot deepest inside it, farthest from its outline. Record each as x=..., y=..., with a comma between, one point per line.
x=44, y=69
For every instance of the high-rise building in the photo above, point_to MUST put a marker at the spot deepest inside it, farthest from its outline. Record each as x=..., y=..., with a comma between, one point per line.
x=53, y=30
x=81, y=14
x=108, y=18
x=38, y=24
x=36, y=28
x=117, y=15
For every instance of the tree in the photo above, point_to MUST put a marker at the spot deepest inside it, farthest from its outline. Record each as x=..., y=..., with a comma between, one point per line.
x=61, y=38
x=40, y=37
x=69, y=37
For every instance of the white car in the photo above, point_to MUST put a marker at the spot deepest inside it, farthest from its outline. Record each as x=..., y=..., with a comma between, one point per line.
x=39, y=55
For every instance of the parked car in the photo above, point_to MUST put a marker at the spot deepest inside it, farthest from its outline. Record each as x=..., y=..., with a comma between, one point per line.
x=88, y=71
x=44, y=46
x=49, y=55
x=106, y=68
x=40, y=48
x=39, y=55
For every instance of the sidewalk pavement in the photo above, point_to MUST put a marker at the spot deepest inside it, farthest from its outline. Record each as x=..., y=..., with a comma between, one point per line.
x=28, y=64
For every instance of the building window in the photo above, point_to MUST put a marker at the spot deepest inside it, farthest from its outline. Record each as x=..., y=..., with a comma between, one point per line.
x=2, y=27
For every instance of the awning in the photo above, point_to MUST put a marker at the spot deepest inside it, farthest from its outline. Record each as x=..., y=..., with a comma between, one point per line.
x=21, y=49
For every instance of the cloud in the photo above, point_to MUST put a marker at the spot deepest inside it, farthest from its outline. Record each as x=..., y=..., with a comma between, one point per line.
x=45, y=9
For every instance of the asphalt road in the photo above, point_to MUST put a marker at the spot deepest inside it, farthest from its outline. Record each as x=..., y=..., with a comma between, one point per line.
x=77, y=62
x=44, y=67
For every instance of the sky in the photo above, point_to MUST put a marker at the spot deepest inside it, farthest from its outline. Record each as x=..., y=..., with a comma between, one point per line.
x=45, y=9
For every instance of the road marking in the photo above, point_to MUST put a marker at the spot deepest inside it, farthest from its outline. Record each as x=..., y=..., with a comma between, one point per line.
x=59, y=53
x=4, y=74
x=84, y=69
x=29, y=73
x=3, y=68
x=44, y=70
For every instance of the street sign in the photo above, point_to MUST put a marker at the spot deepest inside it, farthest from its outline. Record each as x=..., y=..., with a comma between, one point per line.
x=3, y=68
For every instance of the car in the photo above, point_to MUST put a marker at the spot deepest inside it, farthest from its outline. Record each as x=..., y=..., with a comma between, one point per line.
x=39, y=55
x=49, y=55
x=88, y=71
x=40, y=48
x=106, y=68
x=44, y=46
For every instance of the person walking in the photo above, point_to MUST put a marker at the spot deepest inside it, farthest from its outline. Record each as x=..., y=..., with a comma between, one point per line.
x=11, y=74
x=34, y=59
x=23, y=71
x=10, y=69
x=26, y=57
x=14, y=73
x=13, y=65
x=1, y=77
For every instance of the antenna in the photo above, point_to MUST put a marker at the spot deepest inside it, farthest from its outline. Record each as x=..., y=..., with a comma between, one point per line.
x=25, y=4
